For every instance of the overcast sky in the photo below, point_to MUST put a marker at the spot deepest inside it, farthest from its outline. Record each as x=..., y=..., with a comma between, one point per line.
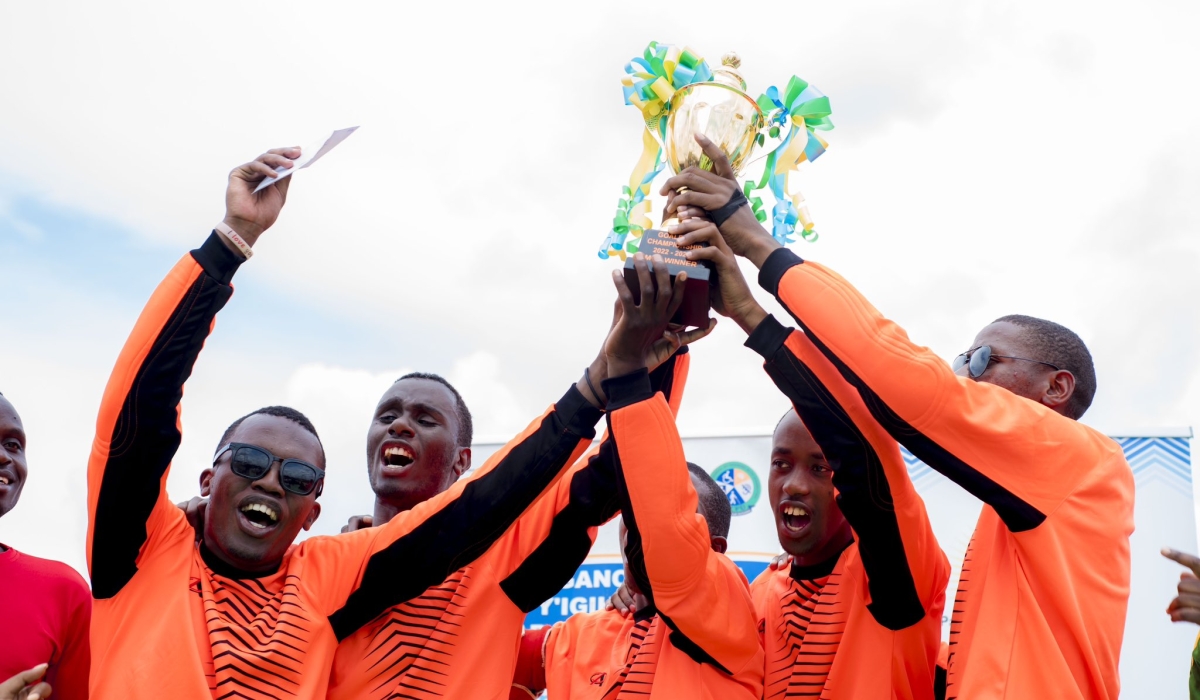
x=989, y=158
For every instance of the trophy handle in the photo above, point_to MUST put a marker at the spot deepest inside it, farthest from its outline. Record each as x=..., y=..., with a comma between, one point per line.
x=770, y=143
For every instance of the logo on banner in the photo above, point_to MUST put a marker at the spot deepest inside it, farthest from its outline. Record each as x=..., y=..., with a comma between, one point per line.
x=740, y=484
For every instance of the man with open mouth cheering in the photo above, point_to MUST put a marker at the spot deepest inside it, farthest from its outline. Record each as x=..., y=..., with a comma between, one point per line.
x=1003, y=423
x=245, y=612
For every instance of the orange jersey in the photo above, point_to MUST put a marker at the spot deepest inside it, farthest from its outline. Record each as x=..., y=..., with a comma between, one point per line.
x=172, y=621
x=698, y=638
x=1040, y=610
x=867, y=623
x=459, y=639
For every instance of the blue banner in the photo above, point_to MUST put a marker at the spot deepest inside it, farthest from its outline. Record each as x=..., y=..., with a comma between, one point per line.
x=592, y=586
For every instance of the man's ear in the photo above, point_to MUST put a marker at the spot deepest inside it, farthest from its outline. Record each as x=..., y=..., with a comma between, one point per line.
x=719, y=544
x=463, y=463
x=1059, y=390
x=206, y=477
x=312, y=515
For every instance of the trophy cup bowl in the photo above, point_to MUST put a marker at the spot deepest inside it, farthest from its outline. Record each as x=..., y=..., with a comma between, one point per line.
x=722, y=111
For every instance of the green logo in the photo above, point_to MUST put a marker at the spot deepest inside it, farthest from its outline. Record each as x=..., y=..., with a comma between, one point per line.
x=740, y=484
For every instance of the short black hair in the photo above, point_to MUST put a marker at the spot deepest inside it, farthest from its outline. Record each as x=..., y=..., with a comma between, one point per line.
x=466, y=426
x=716, y=504
x=1058, y=345
x=279, y=412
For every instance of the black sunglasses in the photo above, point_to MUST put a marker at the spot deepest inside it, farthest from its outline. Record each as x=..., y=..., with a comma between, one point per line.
x=253, y=462
x=978, y=360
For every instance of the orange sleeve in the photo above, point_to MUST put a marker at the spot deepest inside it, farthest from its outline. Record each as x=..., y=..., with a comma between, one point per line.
x=554, y=536
x=698, y=592
x=138, y=429
x=981, y=436
x=360, y=574
x=907, y=571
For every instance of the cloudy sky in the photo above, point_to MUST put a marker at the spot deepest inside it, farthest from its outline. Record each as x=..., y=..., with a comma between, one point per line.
x=989, y=158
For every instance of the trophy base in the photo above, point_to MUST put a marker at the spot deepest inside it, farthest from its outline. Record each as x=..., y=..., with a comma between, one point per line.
x=700, y=276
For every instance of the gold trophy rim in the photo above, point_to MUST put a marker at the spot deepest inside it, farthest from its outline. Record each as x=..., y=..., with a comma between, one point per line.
x=683, y=91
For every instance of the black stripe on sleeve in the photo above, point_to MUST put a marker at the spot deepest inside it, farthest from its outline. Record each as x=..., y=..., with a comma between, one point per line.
x=592, y=502
x=145, y=437
x=1017, y=515
x=773, y=269
x=217, y=259
x=624, y=391
x=864, y=495
x=466, y=527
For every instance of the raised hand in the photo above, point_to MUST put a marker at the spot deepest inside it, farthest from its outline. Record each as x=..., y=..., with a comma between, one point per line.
x=249, y=212
x=642, y=324
x=713, y=190
x=673, y=338
x=731, y=297
x=1185, y=607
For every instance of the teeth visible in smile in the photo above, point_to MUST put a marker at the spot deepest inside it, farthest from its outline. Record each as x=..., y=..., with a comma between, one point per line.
x=3, y=481
x=397, y=451
x=265, y=510
x=794, y=510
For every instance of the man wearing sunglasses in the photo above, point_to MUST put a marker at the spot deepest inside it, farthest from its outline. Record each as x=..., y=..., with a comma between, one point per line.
x=244, y=612
x=1040, y=610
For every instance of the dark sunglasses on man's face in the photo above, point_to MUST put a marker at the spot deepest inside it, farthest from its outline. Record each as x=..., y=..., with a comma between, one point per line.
x=978, y=360
x=253, y=462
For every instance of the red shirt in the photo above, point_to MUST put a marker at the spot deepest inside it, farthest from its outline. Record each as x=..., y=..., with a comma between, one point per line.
x=47, y=611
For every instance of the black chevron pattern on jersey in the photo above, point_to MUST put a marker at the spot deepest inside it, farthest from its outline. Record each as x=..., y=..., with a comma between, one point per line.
x=259, y=636
x=801, y=652
x=411, y=643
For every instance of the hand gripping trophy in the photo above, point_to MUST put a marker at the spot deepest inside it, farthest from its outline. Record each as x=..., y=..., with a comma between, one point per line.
x=679, y=97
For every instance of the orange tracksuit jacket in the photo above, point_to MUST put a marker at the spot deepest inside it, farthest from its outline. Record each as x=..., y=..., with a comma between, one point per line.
x=460, y=638
x=866, y=624
x=1041, y=604
x=698, y=638
x=171, y=621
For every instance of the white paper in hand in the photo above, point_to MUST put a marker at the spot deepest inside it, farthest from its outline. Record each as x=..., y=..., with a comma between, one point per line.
x=308, y=156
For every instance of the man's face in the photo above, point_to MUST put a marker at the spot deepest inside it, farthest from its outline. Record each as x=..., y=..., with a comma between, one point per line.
x=718, y=543
x=810, y=525
x=412, y=446
x=12, y=456
x=240, y=534
x=1028, y=379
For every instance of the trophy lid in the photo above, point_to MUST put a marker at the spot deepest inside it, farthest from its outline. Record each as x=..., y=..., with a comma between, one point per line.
x=728, y=73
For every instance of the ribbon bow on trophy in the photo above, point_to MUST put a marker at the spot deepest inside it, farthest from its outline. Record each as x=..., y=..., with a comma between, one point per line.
x=650, y=82
x=802, y=109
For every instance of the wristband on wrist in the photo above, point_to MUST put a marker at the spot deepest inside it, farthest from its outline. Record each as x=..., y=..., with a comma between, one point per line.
x=233, y=237
x=736, y=201
x=587, y=376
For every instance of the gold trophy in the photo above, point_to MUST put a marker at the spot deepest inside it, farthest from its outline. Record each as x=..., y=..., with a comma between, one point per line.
x=720, y=109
